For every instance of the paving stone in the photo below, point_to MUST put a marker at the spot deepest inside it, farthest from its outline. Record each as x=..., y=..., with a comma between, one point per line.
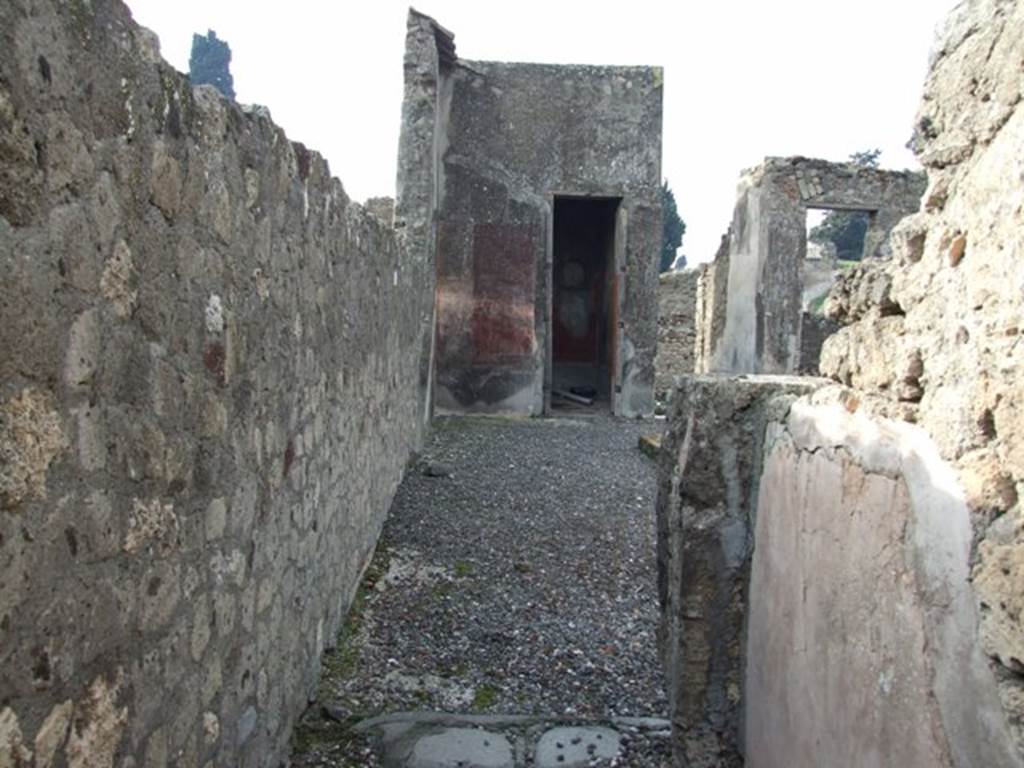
x=462, y=748
x=574, y=747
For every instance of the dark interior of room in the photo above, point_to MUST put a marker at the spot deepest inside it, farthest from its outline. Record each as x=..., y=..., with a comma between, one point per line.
x=583, y=301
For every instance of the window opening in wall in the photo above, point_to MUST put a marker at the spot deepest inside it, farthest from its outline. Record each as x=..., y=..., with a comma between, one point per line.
x=835, y=240
x=584, y=302
x=838, y=234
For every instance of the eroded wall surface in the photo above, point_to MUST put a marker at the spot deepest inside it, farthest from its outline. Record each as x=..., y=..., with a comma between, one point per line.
x=707, y=490
x=677, y=328
x=767, y=247
x=813, y=576
x=517, y=135
x=883, y=622
x=862, y=641
x=209, y=383
x=935, y=336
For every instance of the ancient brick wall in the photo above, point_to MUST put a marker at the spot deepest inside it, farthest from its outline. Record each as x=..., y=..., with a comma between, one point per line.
x=677, y=328
x=937, y=335
x=210, y=377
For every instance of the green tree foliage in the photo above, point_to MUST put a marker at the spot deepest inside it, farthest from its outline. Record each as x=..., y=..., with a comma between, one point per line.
x=673, y=228
x=846, y=229
x=210, y=63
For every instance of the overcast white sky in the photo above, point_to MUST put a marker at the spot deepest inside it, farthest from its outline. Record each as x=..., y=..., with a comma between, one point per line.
x=743, y=79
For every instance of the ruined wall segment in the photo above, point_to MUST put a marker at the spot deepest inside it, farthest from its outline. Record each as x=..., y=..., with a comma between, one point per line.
x=429, y=56
x=883, y=612
x=767, y=247
x=677, y=328
x=862, y=634
x=707, y=493
x=939, y=341
x=518, y=134
x=209, y=383
x=813, y=565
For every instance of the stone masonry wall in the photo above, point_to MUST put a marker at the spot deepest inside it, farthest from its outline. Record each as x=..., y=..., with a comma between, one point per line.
x=708, y=475
x=677, y=329
x=782, y=508
x=517, y=135
x=936, y=336
x=767, y=247
x=209, y=384
x=711, y=304
x=903, y=644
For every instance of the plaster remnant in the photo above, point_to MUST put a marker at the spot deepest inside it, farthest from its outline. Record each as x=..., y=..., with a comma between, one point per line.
x=31, y=436
x=214, y=314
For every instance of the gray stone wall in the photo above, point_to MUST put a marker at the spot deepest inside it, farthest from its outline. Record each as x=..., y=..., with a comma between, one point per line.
x=883, y=609
x=813, y=565
x=935, y=335
x=209, y=384
x=711, y=304
x=708, y=475
x=517, y=135
x=677, y=328
x=814, y=329
x=767, y=247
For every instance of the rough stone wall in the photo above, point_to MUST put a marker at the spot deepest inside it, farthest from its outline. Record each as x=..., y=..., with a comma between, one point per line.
x=767, y=247
x=935, y=336
x=814, y=329
x=429, y=53
x=209, y=367
x=677, y=328
x=383, y=208
x=711, y=304
x=517, y=135
x=708, y=481
x=813, y=563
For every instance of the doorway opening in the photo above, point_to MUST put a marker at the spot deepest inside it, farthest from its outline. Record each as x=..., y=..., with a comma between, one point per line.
x=584, y=302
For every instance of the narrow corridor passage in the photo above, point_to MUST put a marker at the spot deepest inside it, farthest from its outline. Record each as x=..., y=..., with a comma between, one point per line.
x=514, y=585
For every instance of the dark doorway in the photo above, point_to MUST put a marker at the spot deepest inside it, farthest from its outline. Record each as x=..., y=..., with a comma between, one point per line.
x=584, y=303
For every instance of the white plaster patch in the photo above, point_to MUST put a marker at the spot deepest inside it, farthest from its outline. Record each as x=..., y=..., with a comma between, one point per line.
x=214, y=314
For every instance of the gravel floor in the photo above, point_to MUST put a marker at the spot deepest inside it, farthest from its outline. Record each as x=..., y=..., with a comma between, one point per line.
x=516, y=574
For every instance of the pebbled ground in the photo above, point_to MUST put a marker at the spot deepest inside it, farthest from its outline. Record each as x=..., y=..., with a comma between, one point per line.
x=515, y=574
